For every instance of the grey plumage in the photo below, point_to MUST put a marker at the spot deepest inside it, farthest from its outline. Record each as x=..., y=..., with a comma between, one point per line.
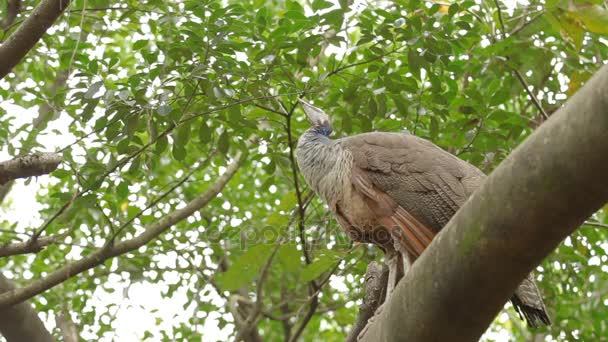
x=374, y=182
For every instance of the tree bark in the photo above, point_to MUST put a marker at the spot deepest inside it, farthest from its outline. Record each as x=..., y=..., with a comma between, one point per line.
x=36, y=164
x=29, y=33
x=376, y=280
x=20, y=322
x=536, y=197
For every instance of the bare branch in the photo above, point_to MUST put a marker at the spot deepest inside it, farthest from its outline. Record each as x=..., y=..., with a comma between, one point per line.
x=518, y=74
x=533, y=98
x=534, y=199
x=525, y=24
x=342, y=68
x=28, y=34
x=112, y=250
x=596, y=224
x=28, y=166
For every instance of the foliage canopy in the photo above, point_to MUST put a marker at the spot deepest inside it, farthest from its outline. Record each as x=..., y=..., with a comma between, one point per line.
x=149, y=102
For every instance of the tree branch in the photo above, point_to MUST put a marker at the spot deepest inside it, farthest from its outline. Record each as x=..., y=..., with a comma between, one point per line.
x=21, y=322
x=66, y=325
x=534, y=199
x=31, y=246
x=28, y=34
x=13, y=7
x=596, y=224
x=28, y=166
x=112, y=250
x=518, y=74
x=376, y=279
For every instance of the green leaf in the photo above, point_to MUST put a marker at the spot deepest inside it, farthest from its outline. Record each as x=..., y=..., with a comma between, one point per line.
x=246, y=268
x=453, y=10
x=182, y=135
x=321, y=4
x=61, y=173
x=204, y=133
x=93, y=89
x=289, y=256
x=123, y=146
x=234, y=114
x=161, y=144
x=179, y=152
x=164, y=110
x=138, y=45
x=223, y=143
x=415, y=61
x=122, y=190
x=501, y=96
x=319, y=266
x=594, y=17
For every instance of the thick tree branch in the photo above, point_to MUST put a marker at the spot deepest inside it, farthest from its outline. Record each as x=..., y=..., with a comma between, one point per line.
x=112, y=250
x=28, y=34
x=31, y=246
x=535, y=198
x=27, y=166
x=376, y=279
x=21, y=322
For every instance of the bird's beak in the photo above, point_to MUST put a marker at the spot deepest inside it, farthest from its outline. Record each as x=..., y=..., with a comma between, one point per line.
x=316, y=115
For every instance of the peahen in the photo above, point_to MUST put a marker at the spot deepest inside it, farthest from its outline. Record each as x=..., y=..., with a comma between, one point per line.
x=394, y=190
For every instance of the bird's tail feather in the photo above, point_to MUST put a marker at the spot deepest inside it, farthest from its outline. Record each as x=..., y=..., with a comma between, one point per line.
x=534, y=316
x=529, y=304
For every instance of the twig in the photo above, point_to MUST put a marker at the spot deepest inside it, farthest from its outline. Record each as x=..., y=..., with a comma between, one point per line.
x=249, y=324
x=595, y=224
x=335, y=71
x=519, y=76
x=272, y=110
x=530, y=94
x=294, y=171
x=477, y=131
x=313, y=302
x=525, y=24
x=502, y=24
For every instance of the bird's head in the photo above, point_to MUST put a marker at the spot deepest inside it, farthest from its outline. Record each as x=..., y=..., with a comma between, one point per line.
x=318, y=118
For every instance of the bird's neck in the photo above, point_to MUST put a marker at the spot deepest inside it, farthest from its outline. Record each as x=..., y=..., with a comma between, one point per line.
x=323, y=162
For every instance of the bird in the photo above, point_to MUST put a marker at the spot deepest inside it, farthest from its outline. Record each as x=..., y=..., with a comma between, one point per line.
x=397, y=191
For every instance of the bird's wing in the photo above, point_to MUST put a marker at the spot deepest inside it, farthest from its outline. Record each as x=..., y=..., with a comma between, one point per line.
x=428, y=183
